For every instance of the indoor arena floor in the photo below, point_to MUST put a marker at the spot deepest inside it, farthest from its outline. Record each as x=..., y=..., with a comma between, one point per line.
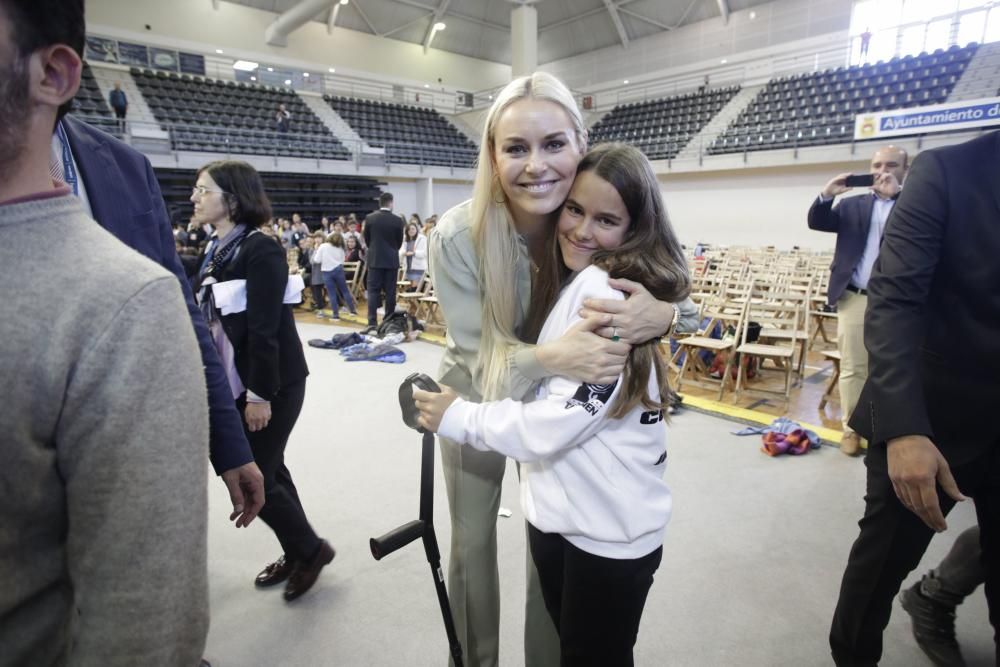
x=751, y=566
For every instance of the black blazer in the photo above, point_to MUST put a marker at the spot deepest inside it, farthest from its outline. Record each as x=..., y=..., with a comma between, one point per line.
x=126, y=200
x=932, y=327
x=383, y=236
x=268, y=350
x=850, y=218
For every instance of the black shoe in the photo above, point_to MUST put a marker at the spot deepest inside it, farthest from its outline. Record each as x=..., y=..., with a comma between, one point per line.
x=933, y=627
x=369, y=330
x=305, y=573
x=275, y=573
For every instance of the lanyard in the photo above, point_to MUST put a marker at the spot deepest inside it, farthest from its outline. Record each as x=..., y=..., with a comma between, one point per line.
x=69, y=169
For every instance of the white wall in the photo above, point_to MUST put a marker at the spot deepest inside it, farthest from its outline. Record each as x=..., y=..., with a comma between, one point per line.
x=446, y=195
x=239, y=31
x=758, y=207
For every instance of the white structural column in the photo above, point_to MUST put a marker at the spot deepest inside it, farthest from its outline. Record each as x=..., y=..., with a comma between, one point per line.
x=425, y=197
x=523, y=40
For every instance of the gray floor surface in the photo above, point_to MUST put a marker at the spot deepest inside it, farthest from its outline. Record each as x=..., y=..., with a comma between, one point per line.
x=751, y=564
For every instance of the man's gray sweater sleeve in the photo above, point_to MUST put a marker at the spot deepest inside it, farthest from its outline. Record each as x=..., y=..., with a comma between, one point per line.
x=131, y=443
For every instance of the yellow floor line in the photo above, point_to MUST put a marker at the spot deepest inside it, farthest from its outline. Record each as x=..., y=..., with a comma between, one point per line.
x=706, y=404
x=763, y=418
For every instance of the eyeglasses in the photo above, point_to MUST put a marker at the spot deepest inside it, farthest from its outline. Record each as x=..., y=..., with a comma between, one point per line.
x=200, y=190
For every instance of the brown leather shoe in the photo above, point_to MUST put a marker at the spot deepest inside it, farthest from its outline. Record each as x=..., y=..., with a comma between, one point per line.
x=305, y=573
x=275, y=573
x=850, y=443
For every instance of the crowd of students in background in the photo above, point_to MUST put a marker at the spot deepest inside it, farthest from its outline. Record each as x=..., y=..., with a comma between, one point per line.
x=343, y=236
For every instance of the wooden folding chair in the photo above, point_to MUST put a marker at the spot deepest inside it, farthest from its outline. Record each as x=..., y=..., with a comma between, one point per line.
x=412, y=297
x=780, y=320
x=726, y=312
x=355, y=273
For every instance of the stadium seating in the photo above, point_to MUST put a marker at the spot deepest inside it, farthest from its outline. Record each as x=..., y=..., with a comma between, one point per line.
x=230, y=117
x=820, y=107
x=409, y=134
x=90, y=105
x=310, y=195
x=662, y=127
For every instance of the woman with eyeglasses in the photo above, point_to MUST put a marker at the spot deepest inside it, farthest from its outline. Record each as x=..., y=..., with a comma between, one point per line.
x=241, y=287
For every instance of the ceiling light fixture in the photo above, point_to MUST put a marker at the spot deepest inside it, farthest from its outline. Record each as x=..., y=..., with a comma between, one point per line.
x=305, y=74
x=218, y=51
x=245, y=65
x=332, y=70
x=625, y=81
x=270, y=69
x=288, y=82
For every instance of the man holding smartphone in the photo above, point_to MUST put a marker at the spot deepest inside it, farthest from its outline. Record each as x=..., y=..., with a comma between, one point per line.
x=858, y=222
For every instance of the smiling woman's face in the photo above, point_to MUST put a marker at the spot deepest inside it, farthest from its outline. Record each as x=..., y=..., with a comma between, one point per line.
x=593, y=218
x=535, y=153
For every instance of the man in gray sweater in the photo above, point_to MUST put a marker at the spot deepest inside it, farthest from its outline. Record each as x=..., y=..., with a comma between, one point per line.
x=103, y=418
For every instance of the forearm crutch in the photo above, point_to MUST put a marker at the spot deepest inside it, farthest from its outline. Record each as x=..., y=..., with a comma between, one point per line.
x=424, y=526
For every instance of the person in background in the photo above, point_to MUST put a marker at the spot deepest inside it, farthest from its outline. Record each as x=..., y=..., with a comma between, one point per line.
x=300, y=230
x=858, y=223
x=429, y=225
x=324, y=226
x=933, y=601
x=866, y=40
x=414, y=218
x=316, y=275
x=282, y=119
x=103, y=503
x=383, y=234
x=119, y=104
x=933, y=306
x=413, y=254
x=330, y=256
x=352, y=248
x=286, y=234
x=262, y=354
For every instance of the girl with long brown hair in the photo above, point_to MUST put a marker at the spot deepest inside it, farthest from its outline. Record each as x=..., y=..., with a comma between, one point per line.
x=592, y=455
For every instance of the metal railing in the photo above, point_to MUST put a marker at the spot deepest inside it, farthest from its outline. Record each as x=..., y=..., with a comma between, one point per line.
x=237, y=141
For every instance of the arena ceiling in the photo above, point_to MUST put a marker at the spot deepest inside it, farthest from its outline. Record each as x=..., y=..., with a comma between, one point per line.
x=481, y=28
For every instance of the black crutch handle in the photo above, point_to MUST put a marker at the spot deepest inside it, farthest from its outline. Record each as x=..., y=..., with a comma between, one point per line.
x=396, y=539
x=410, y=412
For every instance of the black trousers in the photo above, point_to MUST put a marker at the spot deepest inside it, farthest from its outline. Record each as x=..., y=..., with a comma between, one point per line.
x=595, y=602
x=381, y=280
x=282, y=510
x=892, y=542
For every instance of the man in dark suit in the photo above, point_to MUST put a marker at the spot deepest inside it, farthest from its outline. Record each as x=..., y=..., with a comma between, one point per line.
x=933, y=338
x=117, y=184
x=383, y=235
x=858, y=223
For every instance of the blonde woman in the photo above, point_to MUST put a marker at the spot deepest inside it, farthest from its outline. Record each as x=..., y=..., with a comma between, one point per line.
x=482, y=255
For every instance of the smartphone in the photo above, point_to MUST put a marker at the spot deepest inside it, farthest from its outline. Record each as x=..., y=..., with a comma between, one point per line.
x=860, y=180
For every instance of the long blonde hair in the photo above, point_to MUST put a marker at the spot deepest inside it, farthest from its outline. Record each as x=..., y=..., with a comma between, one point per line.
x=495, y=237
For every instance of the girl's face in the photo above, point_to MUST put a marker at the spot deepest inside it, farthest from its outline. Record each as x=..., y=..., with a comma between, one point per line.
x=412, y=231
x=535, y=155
x=209, y=201
x=593, y=218
x=352, y=243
